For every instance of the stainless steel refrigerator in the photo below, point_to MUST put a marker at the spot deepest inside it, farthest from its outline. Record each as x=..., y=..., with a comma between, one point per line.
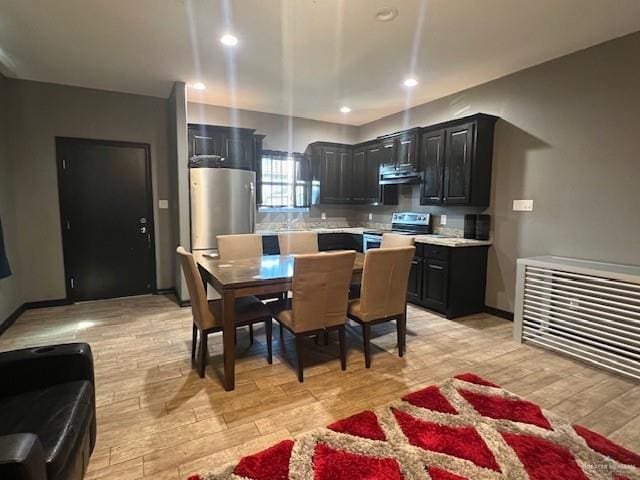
x=223, y=201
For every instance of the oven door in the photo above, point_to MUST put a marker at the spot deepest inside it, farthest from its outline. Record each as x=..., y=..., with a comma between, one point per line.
x=371, y=241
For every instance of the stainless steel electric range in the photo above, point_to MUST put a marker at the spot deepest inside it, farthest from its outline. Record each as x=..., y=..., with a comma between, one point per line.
x=401, y=223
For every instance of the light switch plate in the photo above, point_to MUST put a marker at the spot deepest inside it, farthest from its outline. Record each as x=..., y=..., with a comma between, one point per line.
x=324, y=216
x=523, y=205
x=370, y=216
x=163, y=204
x=443, y=219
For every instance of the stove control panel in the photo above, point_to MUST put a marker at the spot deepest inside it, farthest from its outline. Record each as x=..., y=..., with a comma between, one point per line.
x=411, y=218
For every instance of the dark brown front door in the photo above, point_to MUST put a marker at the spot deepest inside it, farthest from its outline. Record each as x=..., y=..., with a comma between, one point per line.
x=107, y=218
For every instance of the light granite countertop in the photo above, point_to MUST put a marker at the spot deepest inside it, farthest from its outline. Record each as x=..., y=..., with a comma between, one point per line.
x=451, y=241
x=426, y=239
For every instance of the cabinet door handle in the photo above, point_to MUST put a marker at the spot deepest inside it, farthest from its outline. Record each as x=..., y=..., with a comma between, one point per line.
x=436, y=267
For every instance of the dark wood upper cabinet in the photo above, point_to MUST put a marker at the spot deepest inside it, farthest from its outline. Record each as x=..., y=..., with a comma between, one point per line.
x=350, y=175
x=407, y=152
x=335, y=174
x=400, y=151
x=457, y=173
x=432, y=166
x=205, y=145
x=329, y=169
x=237, y=146
x=455, y=160
x=346, y=174
x=388, y=155
x=374, y=192
x=239, y=151
x=359, y=175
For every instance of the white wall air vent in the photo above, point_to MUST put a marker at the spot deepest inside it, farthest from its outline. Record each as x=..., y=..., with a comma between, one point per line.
x=586, y=310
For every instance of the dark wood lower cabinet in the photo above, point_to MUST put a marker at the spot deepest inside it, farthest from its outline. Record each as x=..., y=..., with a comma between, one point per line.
x=339, y=241
x=414, y=288
x=326, y=241
x=434, y=284
x=449, y=280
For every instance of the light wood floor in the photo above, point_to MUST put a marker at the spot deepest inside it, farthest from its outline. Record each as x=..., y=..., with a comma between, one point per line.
x=157, y=419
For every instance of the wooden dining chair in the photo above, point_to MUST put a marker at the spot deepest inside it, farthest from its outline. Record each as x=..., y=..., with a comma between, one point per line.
x=295, y=243
x=320, y=299
x=392, y=240
x=207, y=316
x=383, y=295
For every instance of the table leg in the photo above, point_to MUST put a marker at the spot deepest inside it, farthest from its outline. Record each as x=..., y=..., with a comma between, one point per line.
x=228, y=339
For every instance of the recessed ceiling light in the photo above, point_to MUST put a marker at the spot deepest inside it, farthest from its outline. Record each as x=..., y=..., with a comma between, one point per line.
x=199, y=86
x=345, y=109
x=229, y=40
x=410, y=82
x=386, y=14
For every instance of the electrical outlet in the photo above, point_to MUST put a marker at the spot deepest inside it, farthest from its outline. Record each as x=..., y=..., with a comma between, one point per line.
x=443, y=219
x=163, y=204
x=523, y=205
x=370, y=216
x=324, y=216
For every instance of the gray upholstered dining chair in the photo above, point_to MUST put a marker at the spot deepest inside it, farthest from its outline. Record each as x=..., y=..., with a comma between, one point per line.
x=383, y=295
x=207, y=317
x=320, y=299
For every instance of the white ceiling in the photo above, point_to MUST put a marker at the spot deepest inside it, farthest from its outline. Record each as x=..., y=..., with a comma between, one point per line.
x=299, y=57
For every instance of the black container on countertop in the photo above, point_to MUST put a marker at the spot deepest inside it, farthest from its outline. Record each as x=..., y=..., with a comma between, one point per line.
x=483, y=227
x=470, y=220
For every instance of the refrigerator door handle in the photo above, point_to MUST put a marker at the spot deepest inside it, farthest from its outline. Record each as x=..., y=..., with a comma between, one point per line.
x=252, y=193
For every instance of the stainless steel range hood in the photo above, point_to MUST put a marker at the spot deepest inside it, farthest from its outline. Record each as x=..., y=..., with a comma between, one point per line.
x=400, y=177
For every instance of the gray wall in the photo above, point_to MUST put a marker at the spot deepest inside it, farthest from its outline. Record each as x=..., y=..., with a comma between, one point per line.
x=568, y=140
x=39, y=112
x=10, y=295
x=282, y=132
x=180, y=174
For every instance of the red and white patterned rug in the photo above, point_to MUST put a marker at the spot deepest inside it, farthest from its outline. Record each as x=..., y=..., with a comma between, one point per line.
x=465, y=428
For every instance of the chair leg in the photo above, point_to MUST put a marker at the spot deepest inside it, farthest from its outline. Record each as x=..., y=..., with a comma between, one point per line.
x=326, y=337
x=366, y=337
x=343, y=348
x=402, y=334
x=300, y=356
x=268, y=328
x=194, y=341
x=251, y=334
x=203, y=353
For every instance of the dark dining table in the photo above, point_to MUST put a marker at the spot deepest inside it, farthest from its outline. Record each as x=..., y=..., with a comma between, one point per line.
x=248, y=276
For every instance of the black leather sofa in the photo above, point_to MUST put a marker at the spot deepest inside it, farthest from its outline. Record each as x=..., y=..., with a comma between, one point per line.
x=47, y=412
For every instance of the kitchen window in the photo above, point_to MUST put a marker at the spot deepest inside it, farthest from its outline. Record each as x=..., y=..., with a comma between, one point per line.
x=284, y=180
